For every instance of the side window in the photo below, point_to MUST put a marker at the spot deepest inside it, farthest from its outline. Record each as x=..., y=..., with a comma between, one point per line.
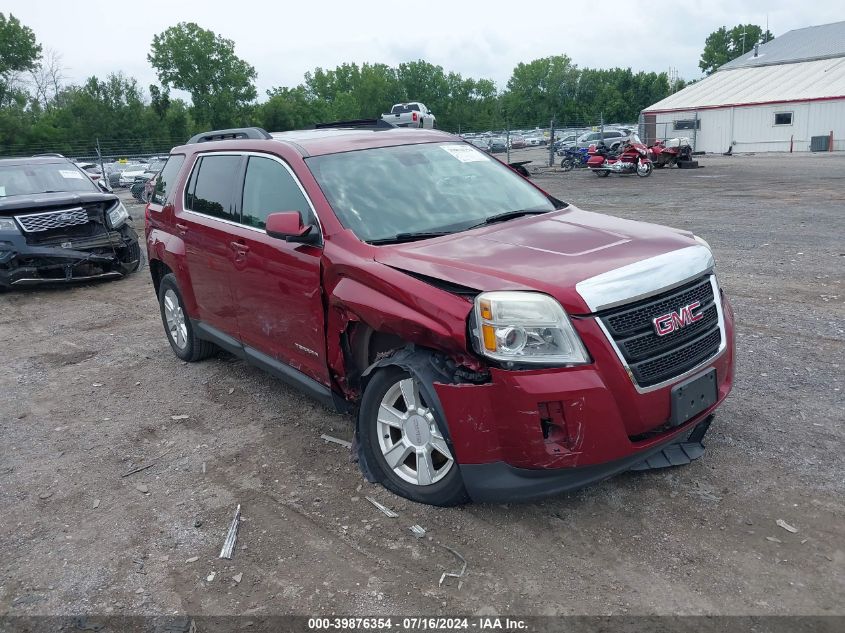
x=783, y=118
x=269, y=188
x=211, y=186
x=167, y=178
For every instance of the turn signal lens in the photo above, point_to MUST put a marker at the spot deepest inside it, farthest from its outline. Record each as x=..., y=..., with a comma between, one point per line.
x=486, y=312
x=489, y=337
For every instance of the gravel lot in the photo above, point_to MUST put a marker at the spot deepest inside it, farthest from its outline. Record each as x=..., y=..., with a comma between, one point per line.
x=89, y=390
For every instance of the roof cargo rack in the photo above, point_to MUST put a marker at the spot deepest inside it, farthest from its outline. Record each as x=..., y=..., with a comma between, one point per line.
x=229, y=135
x=48, y=155
x=359, y=123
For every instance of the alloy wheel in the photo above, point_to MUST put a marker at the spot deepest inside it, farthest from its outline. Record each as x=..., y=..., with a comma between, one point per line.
x=177, y=329
x=409, y=438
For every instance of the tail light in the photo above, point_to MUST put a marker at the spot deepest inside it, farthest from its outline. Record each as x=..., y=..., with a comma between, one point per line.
x=414, y=116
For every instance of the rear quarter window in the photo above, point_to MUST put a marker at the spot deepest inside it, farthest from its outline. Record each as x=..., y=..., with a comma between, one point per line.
x=167, y=178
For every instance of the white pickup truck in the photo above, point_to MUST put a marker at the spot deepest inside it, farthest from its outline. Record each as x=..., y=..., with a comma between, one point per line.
x=411, y=114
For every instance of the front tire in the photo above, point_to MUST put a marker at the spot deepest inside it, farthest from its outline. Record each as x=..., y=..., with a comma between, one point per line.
x=177, y=324
x=644, y=169
x=566, y=164
x=404, y=443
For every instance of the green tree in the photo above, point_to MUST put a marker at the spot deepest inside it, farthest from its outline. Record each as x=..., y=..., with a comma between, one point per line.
x=724, y=44
x=542, y=89
x=19, y=52
x=203, y=63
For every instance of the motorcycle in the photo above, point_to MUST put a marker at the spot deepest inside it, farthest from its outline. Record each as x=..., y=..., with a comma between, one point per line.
x=670, y=152
x=631, y=159
x=574, y=157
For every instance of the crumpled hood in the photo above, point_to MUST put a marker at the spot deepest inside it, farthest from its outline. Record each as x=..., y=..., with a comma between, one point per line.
x=550, y=253
x=36, y=202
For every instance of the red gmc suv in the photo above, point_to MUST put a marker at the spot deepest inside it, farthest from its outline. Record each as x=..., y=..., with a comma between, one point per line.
x=493, y=342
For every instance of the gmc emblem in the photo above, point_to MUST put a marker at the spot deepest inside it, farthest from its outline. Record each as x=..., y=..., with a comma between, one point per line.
x=668, y=323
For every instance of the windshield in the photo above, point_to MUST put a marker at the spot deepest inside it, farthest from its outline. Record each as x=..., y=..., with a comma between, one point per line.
x=21, y=180
x=428, y=188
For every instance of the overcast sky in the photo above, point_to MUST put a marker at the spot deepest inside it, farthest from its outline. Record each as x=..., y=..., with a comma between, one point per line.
x=283, y=40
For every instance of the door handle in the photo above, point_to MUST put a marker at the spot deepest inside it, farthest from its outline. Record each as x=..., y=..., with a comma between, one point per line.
x=239, y=247
x=182, y=228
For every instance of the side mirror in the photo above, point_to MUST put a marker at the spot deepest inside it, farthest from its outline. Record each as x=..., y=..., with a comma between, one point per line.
x=103, y=185
x=287, y=226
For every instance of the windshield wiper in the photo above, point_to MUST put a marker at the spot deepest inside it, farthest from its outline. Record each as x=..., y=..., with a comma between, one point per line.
x=409, y=237
x=509, y=215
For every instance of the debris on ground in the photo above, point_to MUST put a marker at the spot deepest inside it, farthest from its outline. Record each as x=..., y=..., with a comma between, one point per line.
x=773, y=539
x=417, y=530
x=232, y=535
x=211, y=576
x=238, y=577
x=45, y=495
x=142, y=488
x=150, y=464
x=192, y=559
x=179, y=417
x=96, y=503
x=336, y=440
x=385, y=510
x=786, y=526
x=454, y=574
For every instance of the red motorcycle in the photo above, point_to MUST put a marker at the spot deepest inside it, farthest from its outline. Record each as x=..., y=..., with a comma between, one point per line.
x=670, y=152
x=631, y=159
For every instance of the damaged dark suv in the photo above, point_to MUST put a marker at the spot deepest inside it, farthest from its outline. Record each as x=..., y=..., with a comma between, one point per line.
x=57, y=225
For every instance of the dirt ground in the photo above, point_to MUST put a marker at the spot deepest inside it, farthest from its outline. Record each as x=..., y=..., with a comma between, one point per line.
x=89, y=390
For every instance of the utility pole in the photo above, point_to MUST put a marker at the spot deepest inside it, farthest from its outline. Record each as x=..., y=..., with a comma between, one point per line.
x=552, y=143
x=103, y=176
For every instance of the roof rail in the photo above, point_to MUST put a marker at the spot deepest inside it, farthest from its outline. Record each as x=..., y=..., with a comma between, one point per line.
x=360, y=123
x=48, y=155
x=229, y=135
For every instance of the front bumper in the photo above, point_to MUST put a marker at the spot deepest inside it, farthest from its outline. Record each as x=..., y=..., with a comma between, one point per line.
x=104, y=256
x=531, y=433
x=500, y=482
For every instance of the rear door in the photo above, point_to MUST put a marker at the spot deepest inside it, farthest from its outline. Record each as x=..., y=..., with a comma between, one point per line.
x=276, y=284
x=205, y=225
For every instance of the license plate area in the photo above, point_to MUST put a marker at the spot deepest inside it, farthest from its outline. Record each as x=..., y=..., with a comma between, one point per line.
x=693, y=396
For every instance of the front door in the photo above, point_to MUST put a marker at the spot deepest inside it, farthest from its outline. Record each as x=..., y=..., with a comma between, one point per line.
x=205, y=226
x=276, y=284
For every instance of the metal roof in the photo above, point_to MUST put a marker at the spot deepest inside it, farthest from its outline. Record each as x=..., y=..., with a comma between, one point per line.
x=801, y=81
x=813, y=42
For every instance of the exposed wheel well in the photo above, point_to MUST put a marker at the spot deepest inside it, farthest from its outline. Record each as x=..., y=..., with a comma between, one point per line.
x=158, y=269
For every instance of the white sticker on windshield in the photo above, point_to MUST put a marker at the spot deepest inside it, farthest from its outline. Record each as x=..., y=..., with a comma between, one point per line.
x=2, y=192
x=69, y=173
x=465, y=153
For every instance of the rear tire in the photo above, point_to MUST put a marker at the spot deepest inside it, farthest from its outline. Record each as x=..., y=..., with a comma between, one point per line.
x=601, y=173
x=386, y=426
x=566, y=164
x=177, y=324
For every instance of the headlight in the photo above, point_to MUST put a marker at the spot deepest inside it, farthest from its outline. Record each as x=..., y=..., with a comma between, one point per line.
x=702, y=242
x=526, y=327
x=118, y=215
x=8, y=224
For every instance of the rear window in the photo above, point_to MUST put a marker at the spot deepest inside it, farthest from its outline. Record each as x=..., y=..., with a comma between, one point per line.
x=402, y=109
x=167, y=178
x=30, y=178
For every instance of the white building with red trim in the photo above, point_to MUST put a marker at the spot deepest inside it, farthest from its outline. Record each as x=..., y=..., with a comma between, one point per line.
x=787, y=95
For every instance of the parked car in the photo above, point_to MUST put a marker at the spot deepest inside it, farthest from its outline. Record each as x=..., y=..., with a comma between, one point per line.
x=534, y=141
x=498, y=144
x=517, y=141
x=494, y=343
x=127, y=177
x=57, y=225
x=481, y=143
x=411, y=114
x=613, y=139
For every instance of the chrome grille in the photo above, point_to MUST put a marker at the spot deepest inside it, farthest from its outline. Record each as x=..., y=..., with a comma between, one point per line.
x=37, y=222
x=654, y=359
